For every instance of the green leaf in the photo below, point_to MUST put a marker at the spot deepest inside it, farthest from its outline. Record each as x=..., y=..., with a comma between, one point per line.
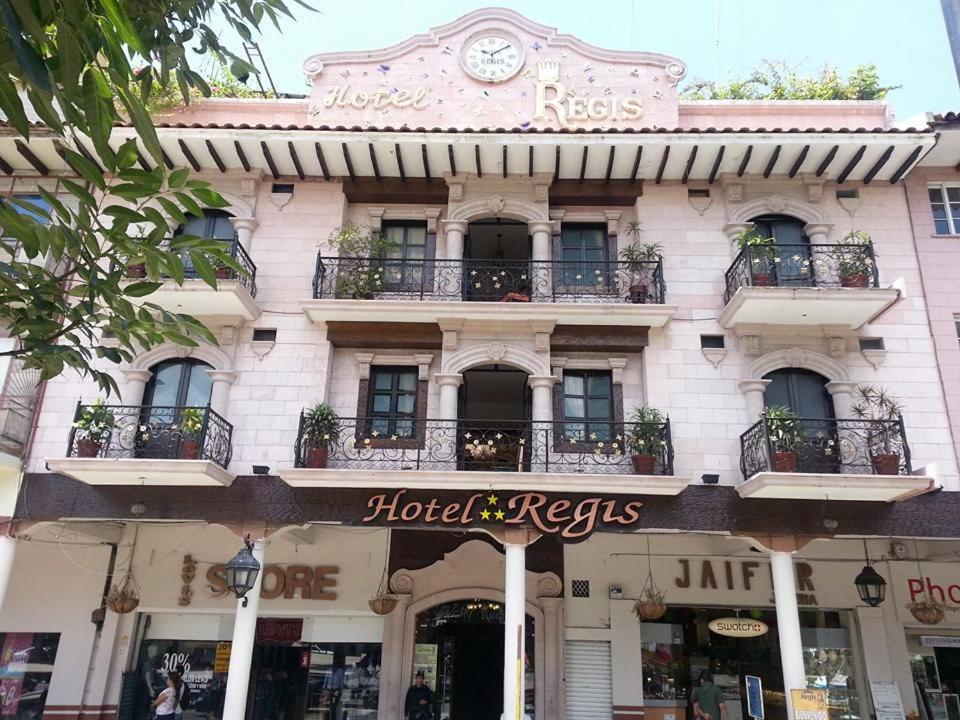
x=33, y=67
x=203, y=268
x=12, y=106
x=172, y=209
x=178, y=178
x=140, y=289
x=119, y=18
x=96, y=107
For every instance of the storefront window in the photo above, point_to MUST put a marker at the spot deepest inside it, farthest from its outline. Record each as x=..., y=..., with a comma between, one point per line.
x=26, y=664
x=343, y=681
x=197, y=661
x=935, y=665
x=678, y=649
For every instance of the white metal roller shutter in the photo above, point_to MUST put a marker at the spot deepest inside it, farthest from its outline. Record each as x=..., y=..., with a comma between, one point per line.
x=589, y=683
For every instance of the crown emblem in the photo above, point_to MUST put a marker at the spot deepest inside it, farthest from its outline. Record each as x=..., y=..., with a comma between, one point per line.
x=548, y=71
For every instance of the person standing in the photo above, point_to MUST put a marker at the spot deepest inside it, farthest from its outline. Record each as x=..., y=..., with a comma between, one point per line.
x=707, y=700
x=165, y=704
x=419, y=702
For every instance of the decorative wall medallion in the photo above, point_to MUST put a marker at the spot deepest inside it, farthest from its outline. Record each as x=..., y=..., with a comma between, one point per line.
x=496, y=351
x=795, y=357
x=776, y=203
x=495, y=204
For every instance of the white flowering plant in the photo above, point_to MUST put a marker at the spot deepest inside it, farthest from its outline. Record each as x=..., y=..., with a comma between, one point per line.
x=96, y=421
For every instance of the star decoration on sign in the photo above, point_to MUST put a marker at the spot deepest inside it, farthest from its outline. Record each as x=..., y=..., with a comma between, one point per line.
x=492, y=499
x=499, y=514
x=484, y=514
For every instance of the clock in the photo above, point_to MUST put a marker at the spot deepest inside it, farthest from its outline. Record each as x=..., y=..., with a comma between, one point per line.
x=492, y=56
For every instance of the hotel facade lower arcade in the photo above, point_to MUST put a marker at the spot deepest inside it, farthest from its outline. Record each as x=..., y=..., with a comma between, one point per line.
x=540, y=380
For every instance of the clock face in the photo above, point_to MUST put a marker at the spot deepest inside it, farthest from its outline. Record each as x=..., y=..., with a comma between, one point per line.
x=492, y=57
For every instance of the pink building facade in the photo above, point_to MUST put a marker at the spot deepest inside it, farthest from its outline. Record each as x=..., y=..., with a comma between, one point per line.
x=597, y=400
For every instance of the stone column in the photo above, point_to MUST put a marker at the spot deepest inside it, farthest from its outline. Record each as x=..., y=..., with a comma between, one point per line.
x=391, y=675
x=133, y=388
x=542, y=428
x=817, y=232
x=220, y=390
x=514, y=619
x=788, y=624
x=541, y=275
x=244, y=227
x=451, y=271
x=552, y=650
x=753, y=392
x=842, y=393
x=241, y=651
x=444, y=437
x=848, y=435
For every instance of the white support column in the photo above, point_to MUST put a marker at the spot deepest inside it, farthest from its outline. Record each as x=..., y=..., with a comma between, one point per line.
x=8, y=553
x=817, y=232
x=220, y=390
x=241, y=651
x=788, y=624
x=753, y=392
x=452, y=275
x=133, y=388
x=842, y=393
x=446, y=435
x=542, y=416
x=244, y=227
x=391, y=673
x=514, y=619
x=542, y=279
x=552, y=650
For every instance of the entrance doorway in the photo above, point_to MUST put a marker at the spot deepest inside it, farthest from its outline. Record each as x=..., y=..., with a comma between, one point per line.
x=459, y=649
x=496, y=261
x=278, y=683
x=494, y=427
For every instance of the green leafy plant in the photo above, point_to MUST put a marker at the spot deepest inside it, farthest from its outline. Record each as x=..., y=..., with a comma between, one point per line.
x=854, y=256
x=321, y=426
x=644, y=434
x=778, y=80
x=784, y=428
x=872, y=404
x=759, y=250
x=361, y=251
x=191, y=422
x=83, y=69
x=96, y=421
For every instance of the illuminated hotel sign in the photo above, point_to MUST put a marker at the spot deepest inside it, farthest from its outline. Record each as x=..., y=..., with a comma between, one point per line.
x=569, y=518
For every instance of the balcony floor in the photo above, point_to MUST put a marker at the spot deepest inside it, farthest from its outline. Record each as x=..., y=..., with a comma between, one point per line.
x=850, y=307
x=231, y=300
x=480, y=481
x=141, y=471
x=816, y=486
x=426, y=311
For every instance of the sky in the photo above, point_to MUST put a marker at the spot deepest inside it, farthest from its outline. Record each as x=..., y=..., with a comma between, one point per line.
x=905, y=38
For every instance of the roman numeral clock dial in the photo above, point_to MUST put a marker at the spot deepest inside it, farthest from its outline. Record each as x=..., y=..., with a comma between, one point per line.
x=492, y=57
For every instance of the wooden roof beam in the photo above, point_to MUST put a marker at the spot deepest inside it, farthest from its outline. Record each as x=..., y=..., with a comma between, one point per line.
x=798, y=163
x=613, y=152
x=296, y=161
x=854, y=161
x=872, y=172
x=348, y=161
x=772, y=162
x=663, y=164
x=905, y=165
x=426, y=162
x=396, y=151
x=215, y=156
x=746, y=161
x=373, y=160
x=189, y=155
x=825, y=163
x=689, y=166
x=323, y=161
x=28, y=155
x=716, y=165
x=241, y=155
x=636, y=164
x=583, y=162
x=453, y=160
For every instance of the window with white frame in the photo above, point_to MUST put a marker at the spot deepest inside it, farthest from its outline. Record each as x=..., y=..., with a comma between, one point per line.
x=945, y=205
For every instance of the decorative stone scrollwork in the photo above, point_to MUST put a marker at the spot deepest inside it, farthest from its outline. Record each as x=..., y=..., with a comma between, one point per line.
x=496, y=351
x=776, y=203
x=549, y=585
x=795, y=357
x=402, y=582
x=495, y=204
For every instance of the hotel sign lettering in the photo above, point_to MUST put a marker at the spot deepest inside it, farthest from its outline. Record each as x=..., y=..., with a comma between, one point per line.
x=570, y=518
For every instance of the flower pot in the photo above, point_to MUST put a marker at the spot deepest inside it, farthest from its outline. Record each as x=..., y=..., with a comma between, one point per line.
x=855, y=280
x=926, y=611
x=382, y=604
x=189, y=449
x=316, y=457
x=885, y=463
x=649, y=610
x=137, y=270
x=643, y=464
x=123, y=604
x=639, y=294
x=762, y=280
x=785, y=462
x=87, y=448
x=222, y=273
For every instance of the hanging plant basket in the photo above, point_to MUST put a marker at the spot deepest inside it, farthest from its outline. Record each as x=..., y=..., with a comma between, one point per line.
x=383, y=604
x=124, y=597
x=929, y=612
x=651, y=604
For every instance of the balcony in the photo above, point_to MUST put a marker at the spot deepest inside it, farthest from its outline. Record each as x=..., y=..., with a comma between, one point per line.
x=805, y=285
x=483, y=455
x=147, y=445
x=835, y=460
x=232, y=299
x=598, y=293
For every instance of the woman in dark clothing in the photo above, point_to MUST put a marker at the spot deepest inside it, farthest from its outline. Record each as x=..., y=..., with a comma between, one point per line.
x=419, y=700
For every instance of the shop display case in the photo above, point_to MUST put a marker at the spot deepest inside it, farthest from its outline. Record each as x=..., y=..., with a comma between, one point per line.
x=832, y=669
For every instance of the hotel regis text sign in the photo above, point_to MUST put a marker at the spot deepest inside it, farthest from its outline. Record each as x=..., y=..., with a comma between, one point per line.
x=570, y=518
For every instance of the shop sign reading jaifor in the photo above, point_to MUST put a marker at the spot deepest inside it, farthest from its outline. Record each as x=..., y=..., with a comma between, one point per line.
x=738, y=627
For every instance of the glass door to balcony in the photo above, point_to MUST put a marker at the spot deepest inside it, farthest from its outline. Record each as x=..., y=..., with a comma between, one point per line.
x=496, y=262
x=493, y=432
x=792, y=260
x=212, y=225
x=805, y=392
x=175, y=385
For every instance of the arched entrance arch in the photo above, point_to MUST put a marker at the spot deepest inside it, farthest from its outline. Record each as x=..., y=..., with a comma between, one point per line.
x=756, y=381
x=496, y=352
x=499, y=206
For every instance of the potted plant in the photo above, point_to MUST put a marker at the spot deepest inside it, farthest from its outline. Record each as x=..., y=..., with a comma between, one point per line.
x=760, y=254
x=854, y=260
x=191, y=425
x=637, y=259
x=321, y=428
x=361, y=253
x=786, y=434
x=644, y=438
x=882, y=414
x=96, y=424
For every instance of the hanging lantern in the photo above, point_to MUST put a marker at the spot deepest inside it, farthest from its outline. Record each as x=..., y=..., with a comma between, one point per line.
x=242, y=571
x=124, y=597
x=871, y=587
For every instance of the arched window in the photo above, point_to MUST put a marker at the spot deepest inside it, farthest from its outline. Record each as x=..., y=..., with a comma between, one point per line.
x=803, y=391
x=793, y=265
x=213, y=225
x=179, y=383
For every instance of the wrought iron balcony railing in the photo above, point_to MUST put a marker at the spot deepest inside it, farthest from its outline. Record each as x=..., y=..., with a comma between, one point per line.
x=825, y=446
x=150, y=433
x=247, y=279
x=575, y=446
x=562, y=281
x=803, y=265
